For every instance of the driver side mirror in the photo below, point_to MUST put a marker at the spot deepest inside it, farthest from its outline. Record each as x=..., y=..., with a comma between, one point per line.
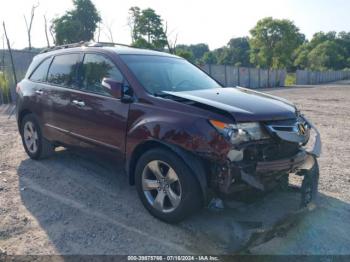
x=113, y=87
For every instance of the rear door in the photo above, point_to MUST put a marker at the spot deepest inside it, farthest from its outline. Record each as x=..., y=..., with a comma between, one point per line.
x=56, y=98
x=97, y=117
x=38, y=87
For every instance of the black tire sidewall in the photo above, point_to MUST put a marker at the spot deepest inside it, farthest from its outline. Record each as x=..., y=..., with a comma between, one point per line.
x=191, y=194
x=33, y=119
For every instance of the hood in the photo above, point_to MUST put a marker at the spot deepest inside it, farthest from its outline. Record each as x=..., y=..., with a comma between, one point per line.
x=243, y=104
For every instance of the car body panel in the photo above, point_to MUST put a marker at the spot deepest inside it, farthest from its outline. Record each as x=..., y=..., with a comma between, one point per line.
x=102, y=120
x=245, y=106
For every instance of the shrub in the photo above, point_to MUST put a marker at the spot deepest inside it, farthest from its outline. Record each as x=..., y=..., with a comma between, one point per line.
x=5, y=95
x=290, y=79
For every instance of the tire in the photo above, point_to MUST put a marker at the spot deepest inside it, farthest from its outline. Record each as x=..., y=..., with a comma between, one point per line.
x=309, y=186
x=181, y=196
x=43, y=148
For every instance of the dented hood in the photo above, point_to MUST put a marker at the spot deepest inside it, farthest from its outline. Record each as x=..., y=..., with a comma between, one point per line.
x=243, y=104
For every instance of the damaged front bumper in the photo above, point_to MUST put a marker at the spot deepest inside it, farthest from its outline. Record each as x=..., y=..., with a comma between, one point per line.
x=263, y=174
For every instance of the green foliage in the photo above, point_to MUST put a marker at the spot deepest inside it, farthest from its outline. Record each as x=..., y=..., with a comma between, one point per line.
x=188, y=55
x=325, y=51
x=78, y=24
x=209, y=58
x=5, y=95
x=290, y=79
x=327, y=55
x=238, y=52
x=147, y=28
x=320, y=37
x=197, y=51
x=273, y=41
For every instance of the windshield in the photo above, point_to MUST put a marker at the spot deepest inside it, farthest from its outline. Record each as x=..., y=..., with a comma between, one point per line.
x=159, y=73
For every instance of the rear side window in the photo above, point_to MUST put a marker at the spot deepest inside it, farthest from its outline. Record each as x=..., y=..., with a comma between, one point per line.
x=40, y=73
x=95, y=68
x=63, y=70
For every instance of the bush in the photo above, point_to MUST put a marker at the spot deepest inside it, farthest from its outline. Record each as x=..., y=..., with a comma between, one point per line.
x=5, y=95
x=290, y=79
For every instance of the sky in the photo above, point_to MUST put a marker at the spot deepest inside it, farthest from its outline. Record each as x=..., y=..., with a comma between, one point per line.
x=193, y=21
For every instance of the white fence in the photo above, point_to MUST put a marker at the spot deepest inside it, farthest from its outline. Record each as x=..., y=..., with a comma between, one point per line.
x=305, y=77
x=246, y=77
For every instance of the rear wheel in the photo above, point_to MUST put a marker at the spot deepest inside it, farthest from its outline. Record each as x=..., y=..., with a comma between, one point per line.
x=166, y=186
x=35, y=145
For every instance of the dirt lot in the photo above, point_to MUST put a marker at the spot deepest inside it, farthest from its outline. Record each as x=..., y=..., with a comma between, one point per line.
x=78, y=204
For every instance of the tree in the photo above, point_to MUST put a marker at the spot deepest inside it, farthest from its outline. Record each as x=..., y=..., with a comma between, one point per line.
x=185, y=54
x=46, y=32
x=29, y=24
x=273, y=42
x=109, y=32
x=209, y=58
x=327, y=55
x=222, y=55
x=325, y=51
x=320, y=37
x=10, y=51
x=78, y=24
x=236, y=52
x=171, y=44
x=197, y=51
x=239, y=51
x=147, y=28
x=301, y=56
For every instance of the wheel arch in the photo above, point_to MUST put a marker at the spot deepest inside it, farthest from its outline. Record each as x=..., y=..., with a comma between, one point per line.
x=21, y=115
x=192, y=161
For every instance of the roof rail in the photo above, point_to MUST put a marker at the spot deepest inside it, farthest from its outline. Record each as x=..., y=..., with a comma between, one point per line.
x=82, y=43
x=53, y=48
x=113, y=44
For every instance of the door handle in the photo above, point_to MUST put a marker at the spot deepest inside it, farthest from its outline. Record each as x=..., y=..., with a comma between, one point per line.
x=39, y=92
x=78, y=103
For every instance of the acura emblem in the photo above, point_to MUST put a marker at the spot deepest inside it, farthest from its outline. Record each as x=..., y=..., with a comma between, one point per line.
x=301, y=128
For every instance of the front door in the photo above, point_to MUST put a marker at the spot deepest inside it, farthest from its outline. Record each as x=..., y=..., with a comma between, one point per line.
x=99, y=118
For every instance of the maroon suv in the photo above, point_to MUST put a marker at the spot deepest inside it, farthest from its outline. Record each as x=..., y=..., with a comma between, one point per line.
x=184, y=138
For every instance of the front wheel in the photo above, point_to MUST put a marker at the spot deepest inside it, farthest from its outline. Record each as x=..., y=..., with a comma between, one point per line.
x=166, y=186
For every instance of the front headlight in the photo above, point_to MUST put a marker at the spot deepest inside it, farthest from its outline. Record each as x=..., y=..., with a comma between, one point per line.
x=241, y=132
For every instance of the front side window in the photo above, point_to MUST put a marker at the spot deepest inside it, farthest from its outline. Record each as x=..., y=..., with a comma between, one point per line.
x=160, y=73
x=63, y=70
x=40, y=73
x=95, y=69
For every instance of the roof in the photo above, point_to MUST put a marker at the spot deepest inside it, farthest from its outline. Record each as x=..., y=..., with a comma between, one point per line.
x=111, y=47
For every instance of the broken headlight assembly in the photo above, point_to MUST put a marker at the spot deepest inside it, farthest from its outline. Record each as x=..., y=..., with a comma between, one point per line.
x=240, y=132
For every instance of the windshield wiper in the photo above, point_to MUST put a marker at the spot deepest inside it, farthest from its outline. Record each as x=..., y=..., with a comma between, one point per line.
x=168, y=96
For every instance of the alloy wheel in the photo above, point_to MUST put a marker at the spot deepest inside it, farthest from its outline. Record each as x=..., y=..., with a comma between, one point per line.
x=31, y=137
x=161, y=186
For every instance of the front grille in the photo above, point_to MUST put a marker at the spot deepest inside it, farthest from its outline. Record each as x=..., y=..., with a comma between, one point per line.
x=270, y=151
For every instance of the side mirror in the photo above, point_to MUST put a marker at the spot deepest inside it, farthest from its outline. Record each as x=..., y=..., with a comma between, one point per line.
x=113, y=87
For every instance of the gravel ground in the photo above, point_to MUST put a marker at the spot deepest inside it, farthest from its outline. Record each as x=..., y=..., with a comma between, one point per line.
x=75, y=203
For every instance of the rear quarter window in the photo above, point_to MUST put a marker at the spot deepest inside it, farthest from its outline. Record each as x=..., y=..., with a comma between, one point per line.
x=40, y=73
x=63, y=70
